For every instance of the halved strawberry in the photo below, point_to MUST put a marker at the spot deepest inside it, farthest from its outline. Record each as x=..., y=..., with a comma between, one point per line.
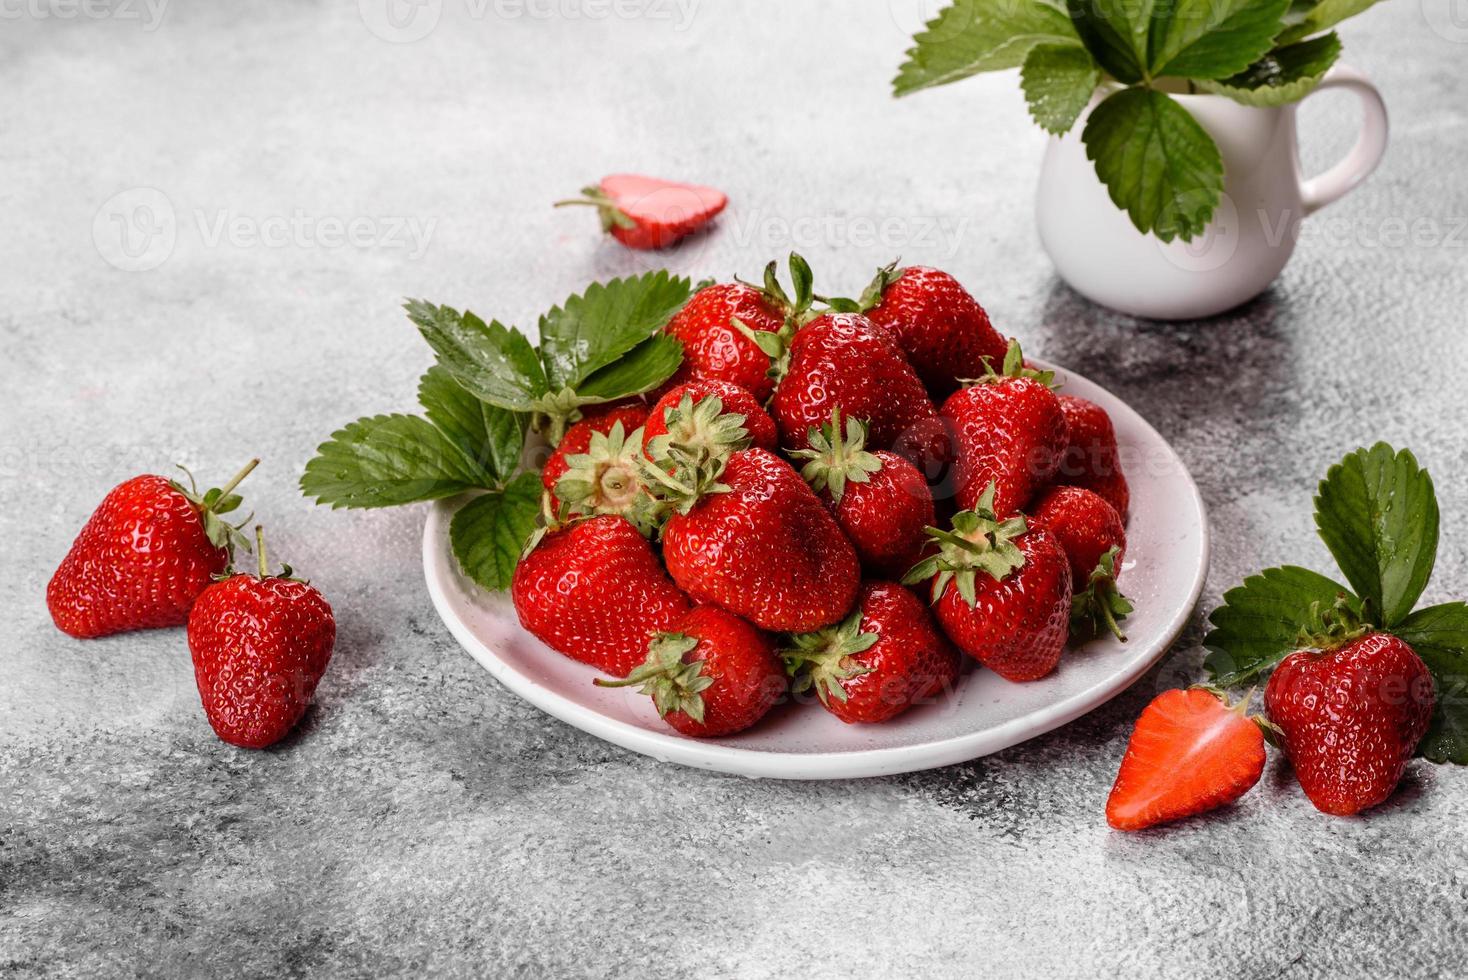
x=646, y=212
x=1189, y=753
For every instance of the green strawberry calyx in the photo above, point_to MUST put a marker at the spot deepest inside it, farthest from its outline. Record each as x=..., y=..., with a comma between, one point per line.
x=680, y=474
x=824, y=658
x=871, y=297
x=797, y=310
x=610, y=478
x=217, y=501
x=837, y=457
x=1328, y=627
x=1100, y=604
x=978, y=542
x=1013, y=367
x=672, y=684
x=699, y=432
x=611, y=216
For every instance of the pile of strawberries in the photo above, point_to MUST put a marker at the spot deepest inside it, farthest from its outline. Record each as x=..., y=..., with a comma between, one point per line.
x=753, y=526
x=156, y=554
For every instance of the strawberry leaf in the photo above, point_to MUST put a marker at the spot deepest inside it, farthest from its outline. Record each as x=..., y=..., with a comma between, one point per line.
x=1115, y=32
x=1261, y=622
x=1377, y=513
x=1211, y=38
x=1285, y=75
x=973, y=36
x=388, y=460
x=592, y=330
x=1157, y=163
x=1058, y=81
x=1439, y=635
x=641, y=369
x=488, y=533
x=1320, y=16
x=491, y=360
x=491, y=436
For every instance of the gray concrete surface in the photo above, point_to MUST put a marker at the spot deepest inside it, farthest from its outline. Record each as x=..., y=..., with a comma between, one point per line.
x=424, y=819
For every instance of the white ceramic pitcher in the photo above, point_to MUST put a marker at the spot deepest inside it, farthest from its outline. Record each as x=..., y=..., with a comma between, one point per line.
x=1098, y=251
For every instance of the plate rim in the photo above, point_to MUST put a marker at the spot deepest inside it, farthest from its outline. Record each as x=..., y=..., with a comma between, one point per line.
x=857, y=763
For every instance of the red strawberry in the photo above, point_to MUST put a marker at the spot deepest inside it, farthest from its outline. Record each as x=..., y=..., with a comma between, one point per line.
x=712, y=674
x=1189, y=753
x=758, y=542
x=609, y=479
x=843, y=360
x=879, y=661
x=944, y=331
x=1350, y=718
x=696, y=430
x=735, y=332
x=1090, y=458
x=147, y=552
x=645, y=212
x=577, y=439
x=1094, y=540
x=1002, y=591
x=1009, y=430
x=594, y=590
x=260, y=645
x=879, y=499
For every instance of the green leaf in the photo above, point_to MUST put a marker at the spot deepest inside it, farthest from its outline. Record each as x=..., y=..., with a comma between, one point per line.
x=1321, y=16
x=1157, y=163
x=1260, y=622
x=1212, y=38
x=488, y=533
x=1285, y=75
x=1377, y=513
x=1439, y=634
x=1058, y=80
x=645, y=367
x=973, y=36
x=492, y=361
x=490, y=435
x=1115, y=32
x=590, y=331
x=388, y=460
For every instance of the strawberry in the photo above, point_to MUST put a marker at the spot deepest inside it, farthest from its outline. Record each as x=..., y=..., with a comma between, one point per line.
x=1002, y=590
x=843, y=360
x=1009, y=430
x=260, y=644
x=1189, y=753
x=646, y=213
x=757, y=541
x=736, y=332
x=879, y=661
x=577, y=439
x=1350, y=718
x=1090, y=458
x=593, y=589
x=608, y=479
x=704, y=423
x=879, y=499
x=712, y=674
x=943, y=330
x=143, y=557
x=1094, y=540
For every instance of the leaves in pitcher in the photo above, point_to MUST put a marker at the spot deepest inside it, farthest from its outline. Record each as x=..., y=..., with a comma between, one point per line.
x=973, y=36
x=1211, y=38
x=1058, y=80
x=1285, y=75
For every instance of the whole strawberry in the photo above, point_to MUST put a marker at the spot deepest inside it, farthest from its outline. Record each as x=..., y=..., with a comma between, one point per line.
x=1094, y=540
x=260, y=644
x=594, y=590
x=843, y=360
x=756, y=540
x=712, y=674
x=608, y=478
x=1009, y=430
x=735, y=332
x=883, y=658
x=577, y=440
x=1091, y=458
x=943, y=330
x=1350, y=718
x=700, y=416
x=880, y=499
x=1002, y=591
x=646, y=212
x=143, y=557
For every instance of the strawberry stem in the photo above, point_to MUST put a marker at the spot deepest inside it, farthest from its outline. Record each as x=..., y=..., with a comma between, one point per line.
x=238, y=478
x=260, y=551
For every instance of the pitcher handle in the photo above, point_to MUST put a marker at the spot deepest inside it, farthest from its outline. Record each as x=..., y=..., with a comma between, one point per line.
x=1370, y=146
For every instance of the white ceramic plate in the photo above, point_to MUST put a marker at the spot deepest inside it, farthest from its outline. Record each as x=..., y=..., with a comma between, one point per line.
x=1167, y=556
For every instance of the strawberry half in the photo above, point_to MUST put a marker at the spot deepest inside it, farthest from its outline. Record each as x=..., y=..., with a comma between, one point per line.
x=646, y=212
x=1189, y=753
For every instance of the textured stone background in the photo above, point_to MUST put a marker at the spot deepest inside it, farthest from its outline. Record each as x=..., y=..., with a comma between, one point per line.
x=424, y=818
